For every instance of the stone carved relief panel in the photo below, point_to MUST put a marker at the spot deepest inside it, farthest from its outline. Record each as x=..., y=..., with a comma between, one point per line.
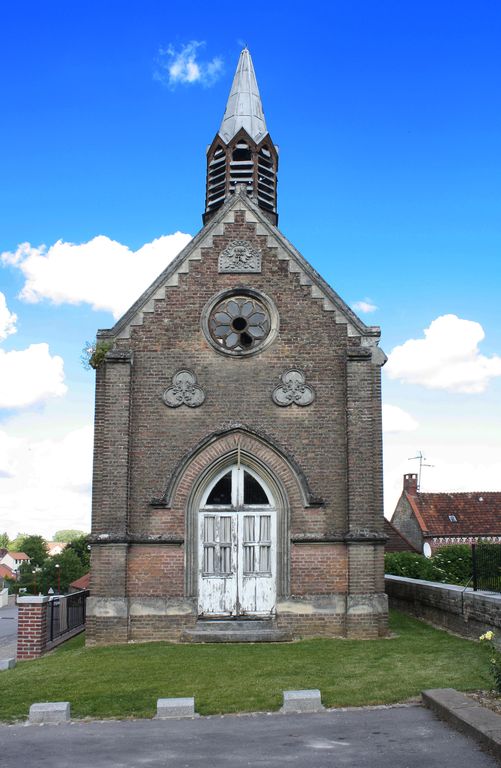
x=240, y=256
x=293, y=390
x=184, y=391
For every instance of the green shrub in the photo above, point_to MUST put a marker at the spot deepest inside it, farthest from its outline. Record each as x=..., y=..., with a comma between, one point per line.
x=411, y=565
x=455, y=563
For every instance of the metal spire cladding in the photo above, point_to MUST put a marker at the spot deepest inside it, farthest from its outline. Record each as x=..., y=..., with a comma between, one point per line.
x=242, y=154
x=244, y=108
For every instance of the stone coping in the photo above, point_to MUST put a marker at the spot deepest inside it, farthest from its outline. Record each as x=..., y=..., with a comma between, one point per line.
x=448, y=587
x=467, y=716
x=33, y=599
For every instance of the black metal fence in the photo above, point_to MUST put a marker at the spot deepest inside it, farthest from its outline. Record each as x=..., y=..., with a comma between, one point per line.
x=486, y=566
x=65, y=613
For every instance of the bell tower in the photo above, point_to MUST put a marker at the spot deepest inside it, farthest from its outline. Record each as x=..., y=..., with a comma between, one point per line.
x=242, y=151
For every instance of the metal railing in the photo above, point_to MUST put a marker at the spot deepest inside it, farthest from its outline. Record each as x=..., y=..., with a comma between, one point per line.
x=486, y=566
x=65, y=613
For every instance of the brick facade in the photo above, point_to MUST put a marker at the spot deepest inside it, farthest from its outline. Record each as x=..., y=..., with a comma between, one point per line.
x=324, y=459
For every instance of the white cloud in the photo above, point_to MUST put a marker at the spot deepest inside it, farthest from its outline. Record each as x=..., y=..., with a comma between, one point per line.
x=395, y=419
x=366, y=306
x=447, y=358
x=29, y=376
x=7, y=319
x=182, y=66
x=101, y=272
x=45, y=484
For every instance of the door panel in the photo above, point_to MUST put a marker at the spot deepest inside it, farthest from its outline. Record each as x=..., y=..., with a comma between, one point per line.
x=237, y=547
x=256, y=562
x=217, y=584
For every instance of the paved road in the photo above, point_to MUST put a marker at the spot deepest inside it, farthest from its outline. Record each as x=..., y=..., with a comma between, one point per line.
x=396, y=737
x=8, y=632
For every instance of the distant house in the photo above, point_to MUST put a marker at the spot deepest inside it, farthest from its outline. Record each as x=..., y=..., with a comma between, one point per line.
x=14, y=559
x=433, y=520
x=396, y=541
x=6, y=573
x=55, y=547
x=82, y=583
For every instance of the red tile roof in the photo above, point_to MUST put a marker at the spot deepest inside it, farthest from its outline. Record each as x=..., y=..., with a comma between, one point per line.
x=477, y=514
x=82, y=583
x=18, y=555
x=6, y=572
x=396, y=540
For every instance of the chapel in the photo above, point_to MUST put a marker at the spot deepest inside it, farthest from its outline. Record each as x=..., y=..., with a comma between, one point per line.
x=237, y=488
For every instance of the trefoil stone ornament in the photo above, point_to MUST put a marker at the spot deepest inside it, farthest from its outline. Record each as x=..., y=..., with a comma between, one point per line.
x=184, y=391
x=293, y=389
x=240, y=256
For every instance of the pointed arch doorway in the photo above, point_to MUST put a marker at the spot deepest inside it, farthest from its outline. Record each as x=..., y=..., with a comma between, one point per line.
x=237, y=545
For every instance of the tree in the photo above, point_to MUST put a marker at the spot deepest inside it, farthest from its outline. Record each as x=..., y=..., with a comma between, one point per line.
x=4, y=541
x=16, y=545
x=70, y=569
x=36, y=549
x=81, y=548
x=67, y=535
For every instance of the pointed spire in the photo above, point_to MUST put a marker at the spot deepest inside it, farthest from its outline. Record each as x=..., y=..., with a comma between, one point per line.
x=244, y=108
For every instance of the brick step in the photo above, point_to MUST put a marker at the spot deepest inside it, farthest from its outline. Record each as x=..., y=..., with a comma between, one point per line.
x=234, y=625
x=236, y=636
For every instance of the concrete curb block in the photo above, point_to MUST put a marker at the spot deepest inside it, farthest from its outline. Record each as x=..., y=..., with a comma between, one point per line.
x=167, y=708
x=302, y=701
x=49, y=712
x=466, y=716
x=7, y=664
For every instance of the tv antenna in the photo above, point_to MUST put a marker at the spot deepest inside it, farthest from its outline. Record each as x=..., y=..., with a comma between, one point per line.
x=421, y=458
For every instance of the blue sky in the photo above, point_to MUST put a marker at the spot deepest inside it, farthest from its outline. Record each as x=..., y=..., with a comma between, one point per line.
x=388, y=119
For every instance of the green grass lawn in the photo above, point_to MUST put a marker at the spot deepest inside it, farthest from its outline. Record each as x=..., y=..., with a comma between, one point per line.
x=126, y=680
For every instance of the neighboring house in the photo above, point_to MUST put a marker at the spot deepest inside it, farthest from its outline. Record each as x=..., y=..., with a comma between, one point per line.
x=397, y=542
x=7, y=573
x=238, y=450
x=433, y=520
x=55, y=547
x=14, y=560
x=82, y=583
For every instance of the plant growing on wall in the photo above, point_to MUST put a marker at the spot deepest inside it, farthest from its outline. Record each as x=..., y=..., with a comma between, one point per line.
x=94, y=353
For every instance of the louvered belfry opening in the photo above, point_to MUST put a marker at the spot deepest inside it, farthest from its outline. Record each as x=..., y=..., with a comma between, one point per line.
x=242, y=151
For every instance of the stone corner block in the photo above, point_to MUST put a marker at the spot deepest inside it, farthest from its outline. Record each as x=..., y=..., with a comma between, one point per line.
x=302, y=701
x=181, y=707
x=49, y=712
x=7, y=664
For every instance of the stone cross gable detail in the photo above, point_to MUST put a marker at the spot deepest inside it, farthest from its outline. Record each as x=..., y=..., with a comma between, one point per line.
x=240, y=256
x=293, y=390
x=184, y=391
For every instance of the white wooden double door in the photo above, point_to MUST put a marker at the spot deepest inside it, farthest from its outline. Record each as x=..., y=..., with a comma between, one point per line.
x=237, y=546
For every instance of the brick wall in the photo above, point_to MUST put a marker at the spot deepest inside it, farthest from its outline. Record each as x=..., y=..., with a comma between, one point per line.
x=404, y=521
x=318, y=569
x=32, y=627
x=155, y=571
x=445, y=605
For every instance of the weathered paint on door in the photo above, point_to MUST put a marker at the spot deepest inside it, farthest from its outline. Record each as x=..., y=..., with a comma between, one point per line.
x=237, y=546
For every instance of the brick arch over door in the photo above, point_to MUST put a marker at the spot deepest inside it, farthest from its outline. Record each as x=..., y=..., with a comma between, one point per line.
x=267, y=463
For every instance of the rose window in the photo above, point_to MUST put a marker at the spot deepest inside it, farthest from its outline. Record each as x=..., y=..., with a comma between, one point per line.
x=239, y=324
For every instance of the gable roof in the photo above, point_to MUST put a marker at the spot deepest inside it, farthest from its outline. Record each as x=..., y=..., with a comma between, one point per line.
x=82, y=583
x=396, y=540
x=477, y=513
x=6, y=572
x=168, y=279
x=18, y=555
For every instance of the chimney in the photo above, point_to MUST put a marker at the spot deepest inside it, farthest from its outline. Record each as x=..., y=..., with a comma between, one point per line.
x=410, y=483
